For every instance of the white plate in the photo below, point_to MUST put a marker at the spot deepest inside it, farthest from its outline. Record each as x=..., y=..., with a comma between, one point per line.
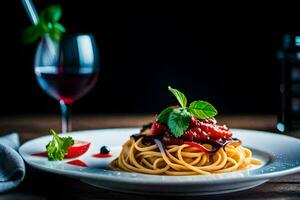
x=280, y=156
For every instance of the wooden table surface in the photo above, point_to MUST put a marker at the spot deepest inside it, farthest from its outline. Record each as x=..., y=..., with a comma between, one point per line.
x=41, y=185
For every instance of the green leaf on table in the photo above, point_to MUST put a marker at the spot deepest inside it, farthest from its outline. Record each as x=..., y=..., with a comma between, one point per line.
x=57, y=148
x=179, y=121
x=202, y=109
x=164, y=115
x=180, y=96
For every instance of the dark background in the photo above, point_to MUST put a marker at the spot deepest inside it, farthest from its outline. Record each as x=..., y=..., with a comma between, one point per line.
x=224, y=54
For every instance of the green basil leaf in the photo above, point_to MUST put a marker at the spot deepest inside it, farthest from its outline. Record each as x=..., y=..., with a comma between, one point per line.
x=202, y=109
x=31, y=34
x=179, y=121
x=180, y=96
x=55, y=34
x=55, y=12
x=48, y=24
x=59, y=27
x=51, y=14
x=164, y=115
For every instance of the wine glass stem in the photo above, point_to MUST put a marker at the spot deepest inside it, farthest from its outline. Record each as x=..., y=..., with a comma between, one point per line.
x=66, y=117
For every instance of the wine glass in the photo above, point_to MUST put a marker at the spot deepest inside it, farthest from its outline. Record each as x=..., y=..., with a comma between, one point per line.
x=67, y=70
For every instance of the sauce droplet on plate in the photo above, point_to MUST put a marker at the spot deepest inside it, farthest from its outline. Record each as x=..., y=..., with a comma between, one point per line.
x=77, y=163
x=42, y=154
x=102, y=155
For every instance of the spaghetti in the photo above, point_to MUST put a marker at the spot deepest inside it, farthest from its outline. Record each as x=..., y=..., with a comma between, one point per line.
x=180, y=159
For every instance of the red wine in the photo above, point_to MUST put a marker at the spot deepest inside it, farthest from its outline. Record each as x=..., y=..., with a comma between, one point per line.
x=67, y=87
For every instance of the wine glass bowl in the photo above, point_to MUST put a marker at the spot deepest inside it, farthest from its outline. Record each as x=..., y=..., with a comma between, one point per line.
x=67, y=69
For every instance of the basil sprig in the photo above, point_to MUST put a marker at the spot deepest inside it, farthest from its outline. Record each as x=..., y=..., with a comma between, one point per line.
x=178, y=118
x=47, y=24
x=57, y=148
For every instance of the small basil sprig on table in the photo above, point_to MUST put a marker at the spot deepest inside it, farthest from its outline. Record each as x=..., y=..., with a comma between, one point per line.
x=47, y=24
x=178, y=118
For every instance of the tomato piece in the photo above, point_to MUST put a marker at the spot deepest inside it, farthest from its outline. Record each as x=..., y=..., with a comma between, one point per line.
x=195, y=134
x=77, y=149
x=158, y=128
x=197, y=146
x=215, y=131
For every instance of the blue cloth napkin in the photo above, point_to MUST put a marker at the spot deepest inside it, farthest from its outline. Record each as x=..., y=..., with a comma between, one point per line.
x=12, y=168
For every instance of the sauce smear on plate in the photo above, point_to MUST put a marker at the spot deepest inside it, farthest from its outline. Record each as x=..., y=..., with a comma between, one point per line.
x=102, y=155
x=42, y=154
x=77, y=163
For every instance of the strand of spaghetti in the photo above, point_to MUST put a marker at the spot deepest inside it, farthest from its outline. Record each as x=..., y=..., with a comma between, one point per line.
x=181, y=173
x=176, y=160
x=186, y=164
x=252, y=160
x=156, y=162
x=146, y=154
x=204, y=159
x=191, y=154
x=229, y=169
x=140, y=168
x=122, y=162
x=178, y=165
x=121, y=157
x=218, y=164
x=125, y=158
x=147, y=163
x=215, y=165
x=195, y=161
x=246, y=151
x=241, y=158
x=211, y=167
x=172, y=148
x=163, y=153
x=150, y=148
x=125, y=150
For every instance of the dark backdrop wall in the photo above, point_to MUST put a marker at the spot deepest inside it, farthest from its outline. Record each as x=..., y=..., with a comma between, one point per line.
x=225, y=55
